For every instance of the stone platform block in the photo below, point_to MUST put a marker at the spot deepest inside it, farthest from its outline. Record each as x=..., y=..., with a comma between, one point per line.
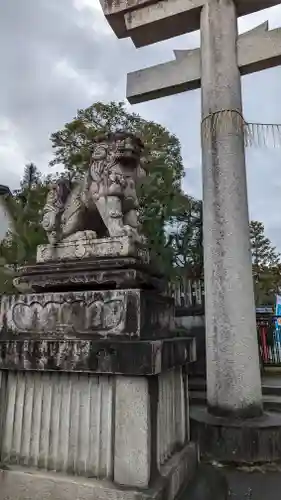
x=86, y=274
x=126, y=430
x=238, y=441
x=144, y=357
x=128, y=313
x=84, y=246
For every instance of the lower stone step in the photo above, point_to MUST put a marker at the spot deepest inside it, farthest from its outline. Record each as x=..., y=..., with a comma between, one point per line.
x=270, y=385
x=271, y=389
x=236, y=441
x=197, y=397
x=271, y=402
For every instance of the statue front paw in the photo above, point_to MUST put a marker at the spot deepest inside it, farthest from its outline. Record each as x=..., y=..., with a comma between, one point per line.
x=134, y=234
x=49, y=221
x=53, y=237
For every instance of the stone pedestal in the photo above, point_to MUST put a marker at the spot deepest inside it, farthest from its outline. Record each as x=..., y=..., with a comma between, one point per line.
x=94, y=386
x=237, y=441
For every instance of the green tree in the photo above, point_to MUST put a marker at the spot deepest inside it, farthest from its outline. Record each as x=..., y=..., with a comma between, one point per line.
x=266, y=265
x=6, y=278
x=187, y=237
x=24, y=208
x=263, y=252
x=31, y=178
x=159, y=193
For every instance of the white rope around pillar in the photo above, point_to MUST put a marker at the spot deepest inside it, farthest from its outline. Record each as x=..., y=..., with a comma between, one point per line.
x=255, y=134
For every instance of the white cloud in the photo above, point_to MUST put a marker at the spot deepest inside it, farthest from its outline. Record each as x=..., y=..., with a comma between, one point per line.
x=272, y=15
x=92, y=89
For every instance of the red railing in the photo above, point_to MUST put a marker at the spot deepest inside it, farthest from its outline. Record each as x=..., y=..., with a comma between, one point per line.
x=269, y=337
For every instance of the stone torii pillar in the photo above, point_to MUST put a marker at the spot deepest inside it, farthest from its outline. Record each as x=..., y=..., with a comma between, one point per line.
x=233, y=372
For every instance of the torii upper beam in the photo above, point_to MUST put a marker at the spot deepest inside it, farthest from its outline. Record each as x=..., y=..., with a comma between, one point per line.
x=150, y=21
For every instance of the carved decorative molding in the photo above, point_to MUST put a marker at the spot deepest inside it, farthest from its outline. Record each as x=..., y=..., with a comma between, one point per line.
x=97, y=356
x=77, y=316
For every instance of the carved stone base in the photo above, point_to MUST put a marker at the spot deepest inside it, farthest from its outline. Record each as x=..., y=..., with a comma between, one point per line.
x=237, y=441
x=131, y=431
x=102, y=273
x=97, y=356
x=101, y=314
x=85, y=247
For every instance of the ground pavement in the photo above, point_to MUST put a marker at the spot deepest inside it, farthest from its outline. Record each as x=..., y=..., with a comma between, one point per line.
x=254, y=483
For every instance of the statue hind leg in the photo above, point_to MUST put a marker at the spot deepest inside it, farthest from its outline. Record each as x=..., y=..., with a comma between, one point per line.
x=72, y=217
x=110, y=209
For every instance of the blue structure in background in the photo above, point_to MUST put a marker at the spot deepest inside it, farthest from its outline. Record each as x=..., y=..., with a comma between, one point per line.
x=278, y=305
x=278, y=320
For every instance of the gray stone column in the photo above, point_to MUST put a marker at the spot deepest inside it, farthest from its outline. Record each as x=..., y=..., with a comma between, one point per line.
x=233, y=373
x=132, y=454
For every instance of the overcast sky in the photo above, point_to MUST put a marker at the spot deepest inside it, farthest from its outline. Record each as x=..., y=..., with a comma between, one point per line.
x=60, y=55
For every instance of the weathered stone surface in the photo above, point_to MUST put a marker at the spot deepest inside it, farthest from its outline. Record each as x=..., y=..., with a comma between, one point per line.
x=130, y=313
x=85, y=425
x=64, y=314
x=114, y=13
x=61, y=422
x=85, y=246
x=161, y=80
x=132, y=452
x=233, y=368
x=150, y=21
x=240, y=441
x=97, y=356
x=101, y=273
x=105, y=201
x=258, y=49
x=160, y=412
x=172, y=413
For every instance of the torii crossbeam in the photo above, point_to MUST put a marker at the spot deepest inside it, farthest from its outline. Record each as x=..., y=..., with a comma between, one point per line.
x=257, y=50
x=233, y=372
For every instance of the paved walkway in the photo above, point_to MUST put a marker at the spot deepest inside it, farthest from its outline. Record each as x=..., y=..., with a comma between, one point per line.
x=245, y=484
x=254, y=485
x=257, y=483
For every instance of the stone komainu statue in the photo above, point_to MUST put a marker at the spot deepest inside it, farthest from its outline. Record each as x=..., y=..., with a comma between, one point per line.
x=104, y=202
